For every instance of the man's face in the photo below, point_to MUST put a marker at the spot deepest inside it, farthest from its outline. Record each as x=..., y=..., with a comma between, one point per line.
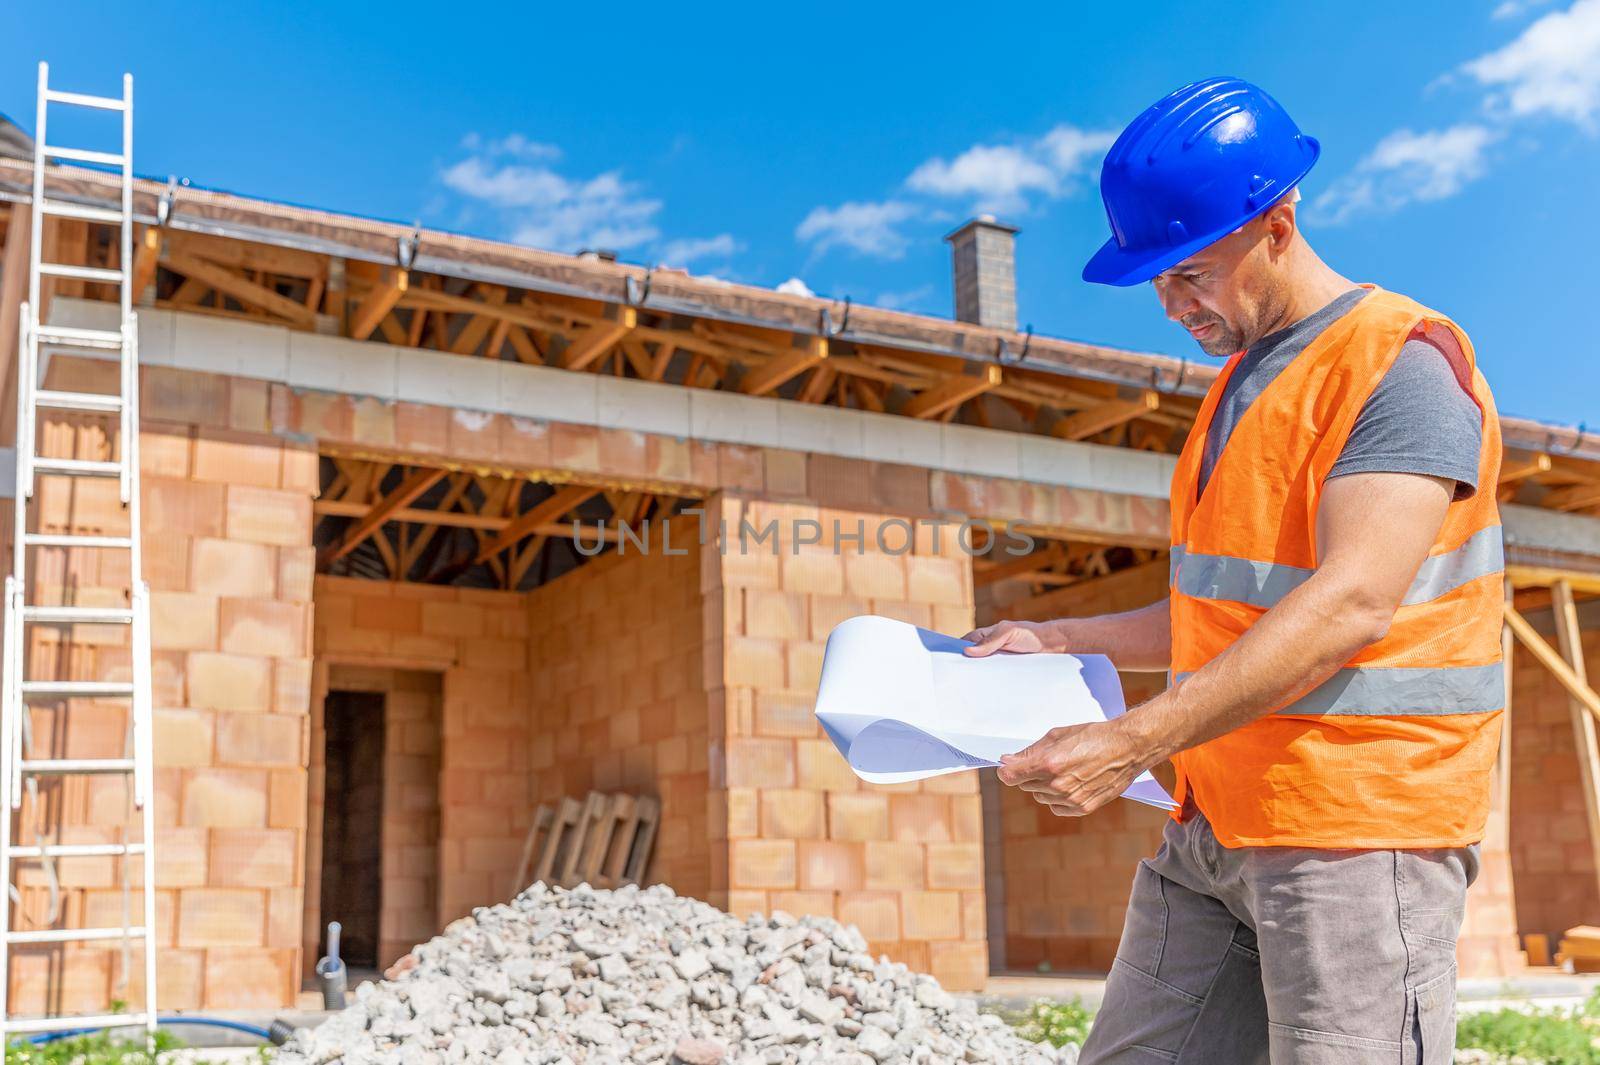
x=1225, y=294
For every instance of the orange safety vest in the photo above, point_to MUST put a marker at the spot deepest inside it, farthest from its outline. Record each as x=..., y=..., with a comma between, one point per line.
x=1395, y=749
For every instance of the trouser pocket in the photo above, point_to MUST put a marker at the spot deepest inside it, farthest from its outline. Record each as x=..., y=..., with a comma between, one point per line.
x=1432, y=1009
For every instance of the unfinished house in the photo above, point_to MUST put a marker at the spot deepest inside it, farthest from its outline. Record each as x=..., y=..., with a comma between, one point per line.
x=440, y=530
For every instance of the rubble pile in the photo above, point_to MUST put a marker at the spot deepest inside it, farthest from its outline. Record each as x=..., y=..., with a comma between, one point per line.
x=640, y=976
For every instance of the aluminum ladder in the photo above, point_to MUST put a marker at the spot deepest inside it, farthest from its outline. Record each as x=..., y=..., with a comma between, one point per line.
x=20, y=771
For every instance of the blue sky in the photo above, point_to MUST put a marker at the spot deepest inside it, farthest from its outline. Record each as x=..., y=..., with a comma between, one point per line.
x=836, y=145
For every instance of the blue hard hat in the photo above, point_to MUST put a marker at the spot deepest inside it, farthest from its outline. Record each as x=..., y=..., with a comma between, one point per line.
x=1194, y=167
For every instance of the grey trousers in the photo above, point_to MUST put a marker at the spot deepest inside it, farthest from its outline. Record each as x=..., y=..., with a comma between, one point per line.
x=1286, y=955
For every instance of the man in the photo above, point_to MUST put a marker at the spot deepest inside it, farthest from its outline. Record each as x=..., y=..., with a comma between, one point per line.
x=1332, y=628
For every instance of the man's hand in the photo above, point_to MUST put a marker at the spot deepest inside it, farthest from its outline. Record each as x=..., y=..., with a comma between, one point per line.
x=1017, y=637
x=1075, y=769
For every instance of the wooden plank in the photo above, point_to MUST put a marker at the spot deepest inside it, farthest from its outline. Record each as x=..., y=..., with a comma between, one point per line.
x=565, y=530
x=146, y=258
x=246, y=255
x=1542, y=576
x=952, y=392
x=591, y=818
x=1572, y=497
x=13, y=290
x=1583, y=724
x=808, y=352
x=1518, y=465
x=1044, y=559
x=541, y=513
x=1097, y=419
x=379, y=302
x=473, y=334
x=1548, y=657
x=560, y=842
x=638, y=866
x=241, y=288
x=409, y=489
x=593, y=341
x=543, y=821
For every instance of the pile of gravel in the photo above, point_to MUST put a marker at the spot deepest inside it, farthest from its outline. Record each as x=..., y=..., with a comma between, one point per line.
x=562, y=977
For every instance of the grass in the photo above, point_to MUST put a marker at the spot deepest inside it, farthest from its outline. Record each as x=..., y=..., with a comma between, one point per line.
x=97, y=1049
x=1553, y=1036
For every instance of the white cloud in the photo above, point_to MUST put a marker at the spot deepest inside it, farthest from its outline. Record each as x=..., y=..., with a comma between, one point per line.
x=796, y=287
x=866, y=228
x=1405, y=167
x=998, y=177
x=513, y=144
x=545, y=209
x=1552, y=68
x=686, y=250
x=912, y=299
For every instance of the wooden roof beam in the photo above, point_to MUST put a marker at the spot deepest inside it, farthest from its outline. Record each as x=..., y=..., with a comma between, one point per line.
x=808, y=351
x=952, y=392
x=594, y=341
x=410, y=488
x=379, y=302
x=1087, y=423
x=241, y=288
x=542, y=513
x=1572, y=497
x=1520, y=465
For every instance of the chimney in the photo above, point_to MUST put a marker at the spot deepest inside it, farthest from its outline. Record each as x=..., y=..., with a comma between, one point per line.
x=983, y=255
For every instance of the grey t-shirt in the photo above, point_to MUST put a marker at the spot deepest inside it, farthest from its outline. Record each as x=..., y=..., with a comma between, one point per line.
x=1418, y=420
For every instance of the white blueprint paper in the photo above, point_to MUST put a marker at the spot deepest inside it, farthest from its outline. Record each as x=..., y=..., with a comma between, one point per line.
x=902, y=703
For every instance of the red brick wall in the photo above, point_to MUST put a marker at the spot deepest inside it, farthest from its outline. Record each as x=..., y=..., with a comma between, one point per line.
x=905, y=863
x=477, y=641
x=227, y=518
x=1551, y=856
x=619, y=698
x=1055, y=917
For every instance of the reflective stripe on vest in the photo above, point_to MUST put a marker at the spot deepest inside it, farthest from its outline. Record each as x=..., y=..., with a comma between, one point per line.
x=1263, y=584
x=1404, y=691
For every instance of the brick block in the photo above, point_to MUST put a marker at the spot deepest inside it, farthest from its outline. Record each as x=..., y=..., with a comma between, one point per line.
x=812, y=571
x=236, y=458
x=753, y=662
x=829, y=866
x=249, y=405
x=761, y=863
x=875, y=913
x=249, y=979
x=183, y=621
x=820, y=766
x=788, y=714
x=184, y=737
x=269, y=740
x=263, y=627
x=228, y=681
x=960, y=966
x=164, y=452
x=955, y=865
x=858, y=816
x=171, y=395
x=939, y=580
x=894, y=866
x=286, y=799
x=291, y=685
x=743, y=808
x=788, y=813
x=931, y=914
x=232, y=568
x=875, y=576
x=920, y=818
x=775, y=614
x=268, y=516
x=221, y=917
x=803, y=664
x=525, y=442
x=225, y=798
x=187, y=507
x=451, y=619
x=828, y=611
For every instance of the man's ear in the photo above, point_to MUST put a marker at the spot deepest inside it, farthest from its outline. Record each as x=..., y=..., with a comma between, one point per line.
x=1281, y=223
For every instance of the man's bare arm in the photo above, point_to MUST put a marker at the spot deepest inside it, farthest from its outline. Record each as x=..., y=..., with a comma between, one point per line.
x=1136, y=639
x=1375, y=531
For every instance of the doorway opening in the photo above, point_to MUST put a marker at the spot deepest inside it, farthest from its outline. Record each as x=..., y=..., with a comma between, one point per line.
x=352, y=823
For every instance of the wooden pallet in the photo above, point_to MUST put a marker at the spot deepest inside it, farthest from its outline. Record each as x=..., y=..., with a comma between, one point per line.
x=605, y=841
